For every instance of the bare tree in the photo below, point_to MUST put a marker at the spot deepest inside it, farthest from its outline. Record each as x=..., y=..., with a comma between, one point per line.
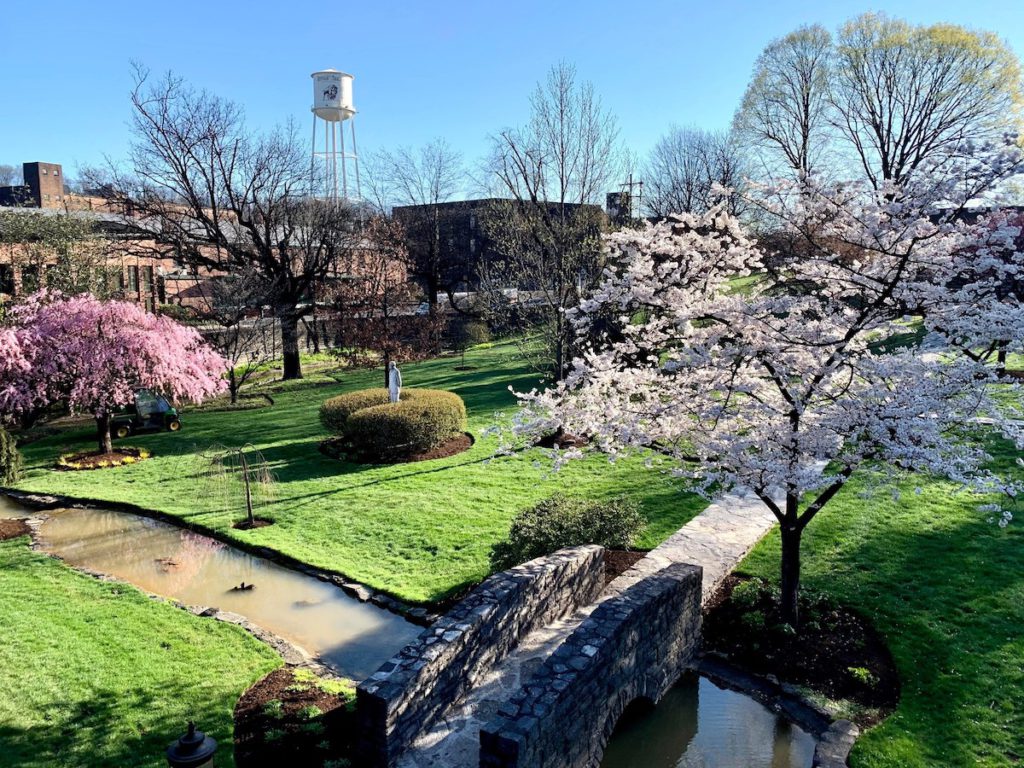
x=905, y=95
x=221, y=198
x=64, y=252
x=233, y=303
x=424, y=179
x=686, y=165
x=375, y=304
x=783, y=112
x=553, y=171
x=10, y=175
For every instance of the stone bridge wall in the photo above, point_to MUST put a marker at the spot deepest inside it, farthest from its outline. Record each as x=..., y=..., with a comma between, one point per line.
x=406, y=695
x=634, y=645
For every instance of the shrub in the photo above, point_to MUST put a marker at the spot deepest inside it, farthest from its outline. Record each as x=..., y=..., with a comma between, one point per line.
x=334, y=413
x=424, y=419
x=467, y=332
x=567, y=521
x=10, y=459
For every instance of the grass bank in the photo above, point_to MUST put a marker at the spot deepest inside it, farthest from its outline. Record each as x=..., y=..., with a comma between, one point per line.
x=418, y=531
x=946, y=589
x=98, y=674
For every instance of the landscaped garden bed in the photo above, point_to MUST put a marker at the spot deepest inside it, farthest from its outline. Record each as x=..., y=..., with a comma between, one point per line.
x=836, y=653
x=293, y=717
x=84, y=460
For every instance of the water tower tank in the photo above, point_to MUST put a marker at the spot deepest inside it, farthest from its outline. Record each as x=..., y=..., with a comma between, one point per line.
x=332, y=95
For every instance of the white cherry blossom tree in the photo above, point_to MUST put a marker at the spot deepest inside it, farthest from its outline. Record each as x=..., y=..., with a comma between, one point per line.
x=782, y=387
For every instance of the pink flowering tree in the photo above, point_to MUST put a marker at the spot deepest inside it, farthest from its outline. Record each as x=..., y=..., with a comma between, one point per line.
x=783, y=388
x=92, y=355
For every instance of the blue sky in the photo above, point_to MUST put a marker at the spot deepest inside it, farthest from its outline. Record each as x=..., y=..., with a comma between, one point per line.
x=461, y=70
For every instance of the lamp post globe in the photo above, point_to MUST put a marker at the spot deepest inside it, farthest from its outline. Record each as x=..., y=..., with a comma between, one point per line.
x=194, y=749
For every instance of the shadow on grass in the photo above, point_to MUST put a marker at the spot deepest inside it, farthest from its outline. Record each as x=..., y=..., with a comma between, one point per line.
x=113, y=728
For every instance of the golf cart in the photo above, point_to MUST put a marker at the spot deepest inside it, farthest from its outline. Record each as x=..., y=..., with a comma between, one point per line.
x=150, y=413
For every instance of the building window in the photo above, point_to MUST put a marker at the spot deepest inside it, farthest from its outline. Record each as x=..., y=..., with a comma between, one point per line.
x=44, y=171
x=52, y=275
x=7, y=279
x=55, y=172
x=133, y=279
x=30, y=279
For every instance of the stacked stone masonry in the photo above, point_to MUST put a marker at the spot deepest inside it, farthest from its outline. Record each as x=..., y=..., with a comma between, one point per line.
x=410, y=691
x=634, y=645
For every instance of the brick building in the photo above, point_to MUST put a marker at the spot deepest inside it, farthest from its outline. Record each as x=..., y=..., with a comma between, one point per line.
x=42, y=187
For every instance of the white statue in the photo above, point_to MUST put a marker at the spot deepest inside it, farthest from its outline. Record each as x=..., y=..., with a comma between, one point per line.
x=394, y=383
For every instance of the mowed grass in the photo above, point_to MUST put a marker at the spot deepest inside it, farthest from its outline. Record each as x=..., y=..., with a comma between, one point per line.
x=419, y=531
x=946, y=588
x=98, y=674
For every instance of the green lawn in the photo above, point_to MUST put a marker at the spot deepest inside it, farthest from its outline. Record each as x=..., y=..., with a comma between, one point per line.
x=946, y=589
x=419, y=531
x=98, y=674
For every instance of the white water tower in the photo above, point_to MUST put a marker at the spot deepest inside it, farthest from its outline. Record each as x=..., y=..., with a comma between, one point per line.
x=333, y=106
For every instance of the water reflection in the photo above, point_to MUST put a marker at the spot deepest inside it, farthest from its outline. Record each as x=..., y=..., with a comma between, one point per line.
x=699, y=725
x=353, y=637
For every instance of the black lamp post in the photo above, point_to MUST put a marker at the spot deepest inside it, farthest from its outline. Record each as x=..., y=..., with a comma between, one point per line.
x=193, y=750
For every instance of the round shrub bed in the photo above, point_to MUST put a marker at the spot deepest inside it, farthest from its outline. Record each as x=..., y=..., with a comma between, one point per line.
x=375, y=430
x=334, y=413
x=414, y=425
x=92, y=460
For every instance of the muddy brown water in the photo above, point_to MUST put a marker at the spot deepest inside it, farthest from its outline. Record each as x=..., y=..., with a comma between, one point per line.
x=701, y=725
x=351, y=637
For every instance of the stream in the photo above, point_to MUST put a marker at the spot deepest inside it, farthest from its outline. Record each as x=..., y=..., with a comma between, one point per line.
x=350, y=637
x=701, y=725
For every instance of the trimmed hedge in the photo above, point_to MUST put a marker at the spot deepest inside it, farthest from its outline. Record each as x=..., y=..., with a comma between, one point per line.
x=10, y=459
x=334, y=413
x=424, y=419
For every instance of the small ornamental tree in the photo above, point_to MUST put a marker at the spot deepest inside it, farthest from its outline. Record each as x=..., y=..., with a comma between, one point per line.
x=780, y=388
x=92, y=355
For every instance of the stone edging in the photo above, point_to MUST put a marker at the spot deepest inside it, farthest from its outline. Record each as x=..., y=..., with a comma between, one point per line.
x=291, y=654
x=420, y=615
x=835, y=737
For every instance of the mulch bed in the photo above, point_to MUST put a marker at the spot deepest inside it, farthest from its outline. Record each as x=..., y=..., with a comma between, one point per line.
x=86, y=460
x=338, y=448
x=561, y=440
x=12, y=529
x=288, y=718
x=618, y=561
x=836, y=653
x=258, y=522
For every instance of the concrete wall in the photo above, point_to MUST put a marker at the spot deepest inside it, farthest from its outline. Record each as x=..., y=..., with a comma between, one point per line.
x=634, y=645
x=406, y=694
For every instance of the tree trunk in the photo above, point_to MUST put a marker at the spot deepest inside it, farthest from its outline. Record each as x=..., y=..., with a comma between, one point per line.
x=248, y=490
x=233, y=385
x=387, y=370
x=290, y=346
x=790, y=573
x=106, y=445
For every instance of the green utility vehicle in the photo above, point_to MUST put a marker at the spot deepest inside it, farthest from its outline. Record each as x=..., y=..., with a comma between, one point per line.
x=150, y=413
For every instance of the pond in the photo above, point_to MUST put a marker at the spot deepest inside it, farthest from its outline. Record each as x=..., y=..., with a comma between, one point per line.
x=350, y=637
x=701, y=725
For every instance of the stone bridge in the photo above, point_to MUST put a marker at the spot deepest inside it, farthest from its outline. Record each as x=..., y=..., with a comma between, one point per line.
x=535, y=666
